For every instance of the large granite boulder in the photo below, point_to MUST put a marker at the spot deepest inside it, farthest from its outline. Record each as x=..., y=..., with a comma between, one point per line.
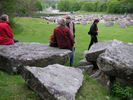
x=99, y=48
x=54, y=82
x=30, y=54
x=118, y=61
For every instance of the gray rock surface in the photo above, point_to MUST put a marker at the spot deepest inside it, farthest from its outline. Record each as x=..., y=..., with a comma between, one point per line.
x=118, y=61
x=88, y=69
x=101, y=78
x=122, y=25
x=99, y=48
x=54, y=82
x=30, y=54
x=109, y=24
x=84, y=62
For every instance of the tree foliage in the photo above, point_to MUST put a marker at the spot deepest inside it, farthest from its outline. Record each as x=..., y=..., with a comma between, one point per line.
x=68, y=5
x=120, y=6
x=13, y=7
x=28, y=7
x=110, y=6
x=7, y=6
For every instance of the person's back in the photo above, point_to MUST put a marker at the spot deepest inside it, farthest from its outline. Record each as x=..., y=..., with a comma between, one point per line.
x=64, y=38
x=6, y=35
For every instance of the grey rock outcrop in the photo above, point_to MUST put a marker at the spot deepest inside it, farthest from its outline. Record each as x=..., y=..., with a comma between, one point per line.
x=54, y=82
x=84, y=62
x=30, y=54
x=101, y=78
x=122, y=25
x=85, y=66
x=118, y=61
x=88, y=69
x=109, y=24
x=99, y=48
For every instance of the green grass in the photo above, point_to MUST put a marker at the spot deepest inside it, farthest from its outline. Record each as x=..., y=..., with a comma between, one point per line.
x=13, y=87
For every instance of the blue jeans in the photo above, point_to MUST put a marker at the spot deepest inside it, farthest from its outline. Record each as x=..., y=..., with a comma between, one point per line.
x=72, y=56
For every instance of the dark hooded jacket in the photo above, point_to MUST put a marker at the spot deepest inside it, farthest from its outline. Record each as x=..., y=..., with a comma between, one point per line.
x=93, y=30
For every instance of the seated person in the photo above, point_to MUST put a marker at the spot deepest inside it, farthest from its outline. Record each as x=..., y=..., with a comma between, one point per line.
x=6, y=34
x=64, y=38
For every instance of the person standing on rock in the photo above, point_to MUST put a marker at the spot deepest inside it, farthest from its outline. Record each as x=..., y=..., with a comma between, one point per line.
x=70, y=25
x=93, y=33
x=6, y=34
x=64, y=37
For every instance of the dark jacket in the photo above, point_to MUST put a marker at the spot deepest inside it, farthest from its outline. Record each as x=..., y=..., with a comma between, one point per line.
x=93, y=29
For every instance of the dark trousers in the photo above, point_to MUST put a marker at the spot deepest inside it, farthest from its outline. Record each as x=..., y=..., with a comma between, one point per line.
x=72, y=56
x=15, y=40
x=93, y=40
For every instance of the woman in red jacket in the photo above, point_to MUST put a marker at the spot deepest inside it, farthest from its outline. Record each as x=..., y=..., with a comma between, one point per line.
x=6, y=35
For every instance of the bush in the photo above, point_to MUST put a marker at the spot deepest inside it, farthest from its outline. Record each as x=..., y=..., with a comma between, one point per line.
x=28, y=7
x=7, y=6
x=68, y=5
x=63, y=5
x=89, y=6
x=120, y=6
x=122, y=92
x=101, y=6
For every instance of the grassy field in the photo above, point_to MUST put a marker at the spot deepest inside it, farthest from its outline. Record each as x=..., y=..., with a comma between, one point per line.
x=13, y=87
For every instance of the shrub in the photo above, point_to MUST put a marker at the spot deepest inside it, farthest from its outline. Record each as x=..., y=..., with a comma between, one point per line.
x=121, y=91
x=89, y=6
x=120, y=6
x=101, y=6
x=68, y=5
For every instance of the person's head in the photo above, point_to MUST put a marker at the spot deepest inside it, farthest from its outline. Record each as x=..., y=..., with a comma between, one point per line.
x=96, y=21
x=68, y=19
x=61, y=22
x=4, y=17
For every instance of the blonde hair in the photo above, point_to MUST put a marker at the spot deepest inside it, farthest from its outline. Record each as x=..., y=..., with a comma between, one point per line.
x=61, y=21
x=4, y=17
x=68, y=17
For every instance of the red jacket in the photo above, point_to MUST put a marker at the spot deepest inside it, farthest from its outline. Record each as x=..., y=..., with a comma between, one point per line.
x=64, y=38
x=6, y=35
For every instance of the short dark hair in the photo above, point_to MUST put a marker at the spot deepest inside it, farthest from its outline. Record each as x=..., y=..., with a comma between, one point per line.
x=96, y=20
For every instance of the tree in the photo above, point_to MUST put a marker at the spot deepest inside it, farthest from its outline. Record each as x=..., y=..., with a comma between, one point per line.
x=28, y=7
x=64, y=5
x=89, y=6
x=120, y=6
x=7, y=6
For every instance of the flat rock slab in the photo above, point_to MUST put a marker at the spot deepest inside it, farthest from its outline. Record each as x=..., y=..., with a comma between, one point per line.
x=118, y=61
x=99, y=48
x=54, y=82
x=30, y=54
